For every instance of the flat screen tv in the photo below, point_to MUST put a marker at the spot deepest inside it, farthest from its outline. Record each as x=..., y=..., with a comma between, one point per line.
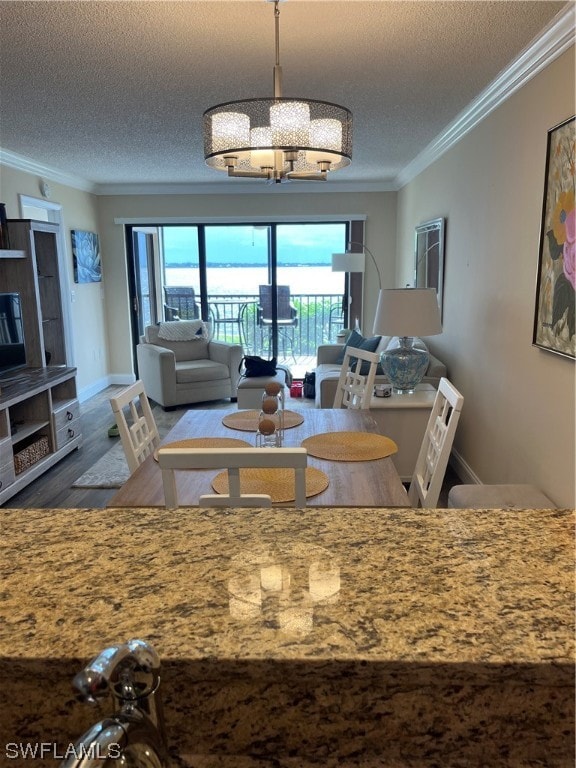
x=12, y=348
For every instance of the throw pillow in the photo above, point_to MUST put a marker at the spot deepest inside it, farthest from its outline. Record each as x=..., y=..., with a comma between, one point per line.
x=357, y=341
x=354, y=340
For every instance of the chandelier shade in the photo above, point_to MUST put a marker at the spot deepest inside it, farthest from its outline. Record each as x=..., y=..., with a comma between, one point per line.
x=278, y=138
x=246, y=134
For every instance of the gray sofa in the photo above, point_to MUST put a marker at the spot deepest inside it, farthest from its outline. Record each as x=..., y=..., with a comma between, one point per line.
x=193, y=371
x=328, y=370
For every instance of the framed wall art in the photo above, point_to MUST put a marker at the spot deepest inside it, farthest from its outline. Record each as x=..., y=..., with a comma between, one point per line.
x=86, y=255
x=429, y=257
x=556, y=277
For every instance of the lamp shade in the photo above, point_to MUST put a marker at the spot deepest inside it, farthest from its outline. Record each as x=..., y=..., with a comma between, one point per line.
x=348, y=262
x=407, y=312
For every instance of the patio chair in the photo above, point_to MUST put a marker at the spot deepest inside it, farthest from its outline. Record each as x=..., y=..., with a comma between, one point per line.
x=286, y=316
x=180, y=303
x=335, y=319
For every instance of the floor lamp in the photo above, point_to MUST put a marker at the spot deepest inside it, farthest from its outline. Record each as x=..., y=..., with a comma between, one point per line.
x=349, y=262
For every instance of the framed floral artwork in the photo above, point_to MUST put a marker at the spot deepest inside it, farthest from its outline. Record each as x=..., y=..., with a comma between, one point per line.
x=86, y=255
x=556, y=278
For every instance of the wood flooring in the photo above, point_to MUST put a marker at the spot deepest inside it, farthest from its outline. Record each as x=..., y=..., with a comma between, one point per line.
x=54, y=488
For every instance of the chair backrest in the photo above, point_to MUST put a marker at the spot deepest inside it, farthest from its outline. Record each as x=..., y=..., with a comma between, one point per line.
x=182, y=301
x=433, y=457
x=232, y=459
x=192, y=349
x=139, y=434
x=355, y=388
x=285, y=311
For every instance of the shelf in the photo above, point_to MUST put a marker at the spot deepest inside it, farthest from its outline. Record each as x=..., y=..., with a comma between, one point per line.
x=6, y=254
x=27, y=429
x=38, y=400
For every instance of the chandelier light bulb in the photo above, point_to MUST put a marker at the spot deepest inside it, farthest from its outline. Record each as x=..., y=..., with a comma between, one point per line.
x=290, y=123
x=230, y=129
x=261, y=158
x=324, y=133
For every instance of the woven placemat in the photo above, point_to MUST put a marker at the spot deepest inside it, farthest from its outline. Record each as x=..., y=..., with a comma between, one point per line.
x=206, y=442
x=247, y=421
x=276, y=483
x=349, y=446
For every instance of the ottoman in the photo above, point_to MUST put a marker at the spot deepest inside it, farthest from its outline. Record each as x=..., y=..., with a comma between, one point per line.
x=250, y=390
x=511, y=496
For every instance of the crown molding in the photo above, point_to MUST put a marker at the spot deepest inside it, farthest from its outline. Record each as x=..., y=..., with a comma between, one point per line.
x=554, y=40
x=245, y=188
x=26, y=164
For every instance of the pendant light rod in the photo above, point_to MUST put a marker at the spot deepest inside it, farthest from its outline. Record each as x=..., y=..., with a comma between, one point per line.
x=277, y=67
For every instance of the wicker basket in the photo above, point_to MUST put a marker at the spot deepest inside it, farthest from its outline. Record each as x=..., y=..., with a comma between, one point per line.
x=32, y=453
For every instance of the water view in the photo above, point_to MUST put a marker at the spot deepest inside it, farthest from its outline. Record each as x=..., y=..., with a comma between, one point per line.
x=245, y=280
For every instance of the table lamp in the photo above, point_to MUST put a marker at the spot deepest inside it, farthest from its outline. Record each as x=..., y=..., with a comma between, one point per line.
x=406, y=313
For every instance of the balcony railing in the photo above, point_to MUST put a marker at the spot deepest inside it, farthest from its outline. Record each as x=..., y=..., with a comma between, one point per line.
x=236, y=319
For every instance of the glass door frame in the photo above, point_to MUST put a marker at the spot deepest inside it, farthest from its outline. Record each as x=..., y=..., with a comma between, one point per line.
x=352, y=287
x=152, y=255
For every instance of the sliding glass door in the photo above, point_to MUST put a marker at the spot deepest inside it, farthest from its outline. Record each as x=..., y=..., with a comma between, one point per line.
x=142, y=278
x=237, y=262
x=316, y=303
x=267, y=286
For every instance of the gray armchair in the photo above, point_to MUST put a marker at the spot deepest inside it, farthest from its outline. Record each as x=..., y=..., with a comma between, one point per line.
x=181, y=372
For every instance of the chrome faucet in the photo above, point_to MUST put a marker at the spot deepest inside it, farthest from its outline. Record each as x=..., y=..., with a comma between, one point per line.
x=134, y=735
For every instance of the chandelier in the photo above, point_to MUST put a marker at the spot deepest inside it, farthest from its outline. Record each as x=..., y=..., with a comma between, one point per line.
x=278, y=138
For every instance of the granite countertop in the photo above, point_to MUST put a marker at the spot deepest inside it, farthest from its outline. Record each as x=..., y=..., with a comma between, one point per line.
x=466, y=610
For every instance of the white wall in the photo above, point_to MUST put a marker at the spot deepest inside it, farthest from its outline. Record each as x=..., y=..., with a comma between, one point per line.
x=518, y=420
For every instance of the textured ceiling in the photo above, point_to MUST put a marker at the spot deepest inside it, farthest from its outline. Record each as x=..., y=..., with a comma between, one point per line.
x=113, y=92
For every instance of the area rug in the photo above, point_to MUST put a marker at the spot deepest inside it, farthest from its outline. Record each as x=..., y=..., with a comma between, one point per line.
x=111, y=471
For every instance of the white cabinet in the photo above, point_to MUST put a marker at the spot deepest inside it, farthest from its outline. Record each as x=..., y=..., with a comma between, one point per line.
x=39, y=412
x=39, y=424
x=404, y=418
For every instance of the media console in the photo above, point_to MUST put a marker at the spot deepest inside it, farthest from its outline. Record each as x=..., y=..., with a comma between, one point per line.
x=39, y=424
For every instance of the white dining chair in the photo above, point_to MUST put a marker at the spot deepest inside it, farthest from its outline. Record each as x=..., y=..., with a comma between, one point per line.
x=232, y=459
x=136, y=424
x=354, y=388
x=428, y=476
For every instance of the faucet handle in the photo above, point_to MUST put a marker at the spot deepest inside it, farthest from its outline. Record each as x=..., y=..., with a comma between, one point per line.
x=130, y=671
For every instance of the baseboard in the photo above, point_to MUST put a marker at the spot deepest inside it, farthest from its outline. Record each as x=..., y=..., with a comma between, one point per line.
x=122, y=379
x=463, y=469
x=106, y=381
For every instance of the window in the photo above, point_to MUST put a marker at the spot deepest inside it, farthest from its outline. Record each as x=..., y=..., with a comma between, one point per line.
x=215, y=271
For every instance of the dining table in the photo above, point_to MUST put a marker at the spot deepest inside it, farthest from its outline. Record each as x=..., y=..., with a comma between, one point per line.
x=351, y=483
